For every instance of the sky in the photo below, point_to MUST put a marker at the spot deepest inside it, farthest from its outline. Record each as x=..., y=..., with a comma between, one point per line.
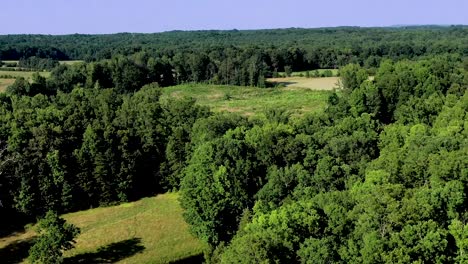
x=147, y=16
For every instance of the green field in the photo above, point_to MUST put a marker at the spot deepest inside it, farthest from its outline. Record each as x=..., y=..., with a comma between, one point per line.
x=7, y=78
x=70, y=62
x=151, y=230
x=61, y=62
x=24, y=74
x=250, y=101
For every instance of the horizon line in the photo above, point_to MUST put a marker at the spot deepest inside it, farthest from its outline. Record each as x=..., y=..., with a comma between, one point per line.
x=247, y=29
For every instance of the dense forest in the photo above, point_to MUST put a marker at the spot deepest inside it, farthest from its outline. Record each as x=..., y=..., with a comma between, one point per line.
x=378, y=176
x=242, y=57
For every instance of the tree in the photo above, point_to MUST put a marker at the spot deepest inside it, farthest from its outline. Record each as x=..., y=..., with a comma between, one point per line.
x=352, y=76
x=19, y=87
x=288, y=71
x=55, y=236
x=219, y=183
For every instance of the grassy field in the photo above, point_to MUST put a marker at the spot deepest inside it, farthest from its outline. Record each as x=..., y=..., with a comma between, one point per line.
x=251, y=101
x=61, y=62
x=151, y=230
x=24, y=74
x=4, y=83
x=70, y=62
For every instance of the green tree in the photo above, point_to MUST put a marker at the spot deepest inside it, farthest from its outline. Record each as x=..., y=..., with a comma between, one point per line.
x=288, y=71
x=55, y=236
x=352, y=76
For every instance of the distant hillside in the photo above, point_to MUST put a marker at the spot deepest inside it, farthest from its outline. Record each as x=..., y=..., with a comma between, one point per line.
x=95, y=47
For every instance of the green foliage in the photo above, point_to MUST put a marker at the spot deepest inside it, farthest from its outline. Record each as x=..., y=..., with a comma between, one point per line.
x=37, y=63
x=55, y=236
x=379, y=176
x=288, y=71
x=352, y=76
x=218, y=184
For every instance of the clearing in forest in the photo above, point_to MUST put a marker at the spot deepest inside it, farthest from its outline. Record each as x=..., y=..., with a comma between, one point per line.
x=151, y=230
x=24, y=74
x=251, y=101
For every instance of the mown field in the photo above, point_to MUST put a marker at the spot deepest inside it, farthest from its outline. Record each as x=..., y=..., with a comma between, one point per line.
x=151, y=230
x=251, y=101
x=61, y=62
x=7, y=78
x=325, y=83
x=24, y=74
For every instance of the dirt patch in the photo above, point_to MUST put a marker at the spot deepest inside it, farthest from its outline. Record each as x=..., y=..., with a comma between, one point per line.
x=296, y=83
x=216, y=96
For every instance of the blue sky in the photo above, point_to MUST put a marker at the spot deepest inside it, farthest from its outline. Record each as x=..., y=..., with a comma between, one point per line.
x=111, y=16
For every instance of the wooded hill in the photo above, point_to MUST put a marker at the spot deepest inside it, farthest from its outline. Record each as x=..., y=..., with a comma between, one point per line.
x=378, y=176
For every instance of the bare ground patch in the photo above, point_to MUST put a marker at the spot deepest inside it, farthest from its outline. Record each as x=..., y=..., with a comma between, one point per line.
x=296, y=83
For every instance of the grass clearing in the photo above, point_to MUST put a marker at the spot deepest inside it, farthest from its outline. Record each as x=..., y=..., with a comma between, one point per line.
x=24, y=74
x=250, y=101
x=71, y=62
x=151, y=230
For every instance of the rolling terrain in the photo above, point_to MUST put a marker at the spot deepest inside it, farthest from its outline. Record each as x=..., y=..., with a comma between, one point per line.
x=150, y=230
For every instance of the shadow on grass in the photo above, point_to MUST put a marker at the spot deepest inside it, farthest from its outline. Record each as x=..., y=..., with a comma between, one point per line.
x=197, y=259
x=16, y=252
x=280, y=83
x=110, y=253
x=14, y=223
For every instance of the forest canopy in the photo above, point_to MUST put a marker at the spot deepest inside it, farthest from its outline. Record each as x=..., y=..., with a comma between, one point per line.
x=378, y=176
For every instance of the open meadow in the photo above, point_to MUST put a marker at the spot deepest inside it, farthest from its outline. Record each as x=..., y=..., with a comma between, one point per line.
x=150, y=230
x=24, y=74
x=251, y=101
x=7, y=78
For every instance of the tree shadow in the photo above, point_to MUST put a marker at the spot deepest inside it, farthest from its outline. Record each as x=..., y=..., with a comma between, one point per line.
x=197, y=259
x=110, y=253
x=14, y=223
x=280, y=83
x=17, y=251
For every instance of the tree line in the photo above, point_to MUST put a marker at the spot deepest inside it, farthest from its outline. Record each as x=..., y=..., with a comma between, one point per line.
x=300, y=49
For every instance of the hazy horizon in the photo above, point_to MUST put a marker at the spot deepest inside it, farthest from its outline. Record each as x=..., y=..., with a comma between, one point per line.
x=59, y=17
x=247, y=29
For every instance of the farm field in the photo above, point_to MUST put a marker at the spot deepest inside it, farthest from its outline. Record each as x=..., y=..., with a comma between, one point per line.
x=325, y=83
x=11, y=75
x=61, y=62
x=24, y=74
x=70, y=62
x=251, y=101
x=151, y=230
